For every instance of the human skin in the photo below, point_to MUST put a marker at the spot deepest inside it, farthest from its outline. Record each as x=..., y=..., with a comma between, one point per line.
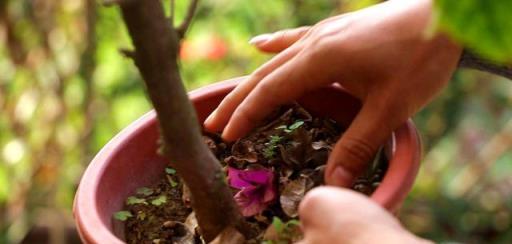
x=379, y=54
x=336, y=215
x=383, y=56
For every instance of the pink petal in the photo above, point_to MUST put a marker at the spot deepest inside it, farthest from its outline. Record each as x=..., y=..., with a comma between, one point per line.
x=256, y=189
x=235, y=180
x=256, y=176
x=269, y=195
x=243, y=178
x=249, y=206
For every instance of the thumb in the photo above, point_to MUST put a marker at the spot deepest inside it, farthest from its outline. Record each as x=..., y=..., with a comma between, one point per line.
x=359, y=144
x=278, y=41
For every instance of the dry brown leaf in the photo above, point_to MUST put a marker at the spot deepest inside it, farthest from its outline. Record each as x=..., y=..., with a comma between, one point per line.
x=293, y=193
x=243, y=150
x=229, y=236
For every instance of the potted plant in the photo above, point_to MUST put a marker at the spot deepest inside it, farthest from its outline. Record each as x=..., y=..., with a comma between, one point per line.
x=130, y=160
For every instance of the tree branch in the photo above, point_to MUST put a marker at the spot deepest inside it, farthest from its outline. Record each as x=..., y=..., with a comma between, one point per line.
x=156, y=50
x=182, y=29
x=87, y=67
x=108, y=3
x=172, y=11
x=127, y=53
x=472, y=61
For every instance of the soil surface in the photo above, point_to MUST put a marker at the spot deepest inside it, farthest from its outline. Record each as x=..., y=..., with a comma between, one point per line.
x=269, y=172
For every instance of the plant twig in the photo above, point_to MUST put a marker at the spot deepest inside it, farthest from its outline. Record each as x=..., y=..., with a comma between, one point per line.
x=156, y=50
x=172, y=12
x=182, y=29
x=111, y=2
x=472, y=61
x=127, y=53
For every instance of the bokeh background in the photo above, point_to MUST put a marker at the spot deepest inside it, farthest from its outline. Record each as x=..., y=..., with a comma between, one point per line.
x=65, y=91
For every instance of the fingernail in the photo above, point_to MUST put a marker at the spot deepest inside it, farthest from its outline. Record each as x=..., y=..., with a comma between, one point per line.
x=260, y=39
x=225, y=136
x=341, y=177
x=227, y=133
x=209, y=118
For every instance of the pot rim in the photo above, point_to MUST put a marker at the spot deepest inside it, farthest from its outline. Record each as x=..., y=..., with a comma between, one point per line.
x=396, y=184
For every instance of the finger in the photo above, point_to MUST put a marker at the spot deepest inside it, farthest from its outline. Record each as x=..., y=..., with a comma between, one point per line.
x=220, y=116
x=278, y=41
x=319, y=204
x=285, y=84
x=332, y=209
x=359, y=144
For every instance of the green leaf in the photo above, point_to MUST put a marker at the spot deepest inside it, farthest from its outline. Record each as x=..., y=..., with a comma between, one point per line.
x=292, y=222
x=170, y=171
x=292, y=127
x=482, y=26
x=270, y=149
x=135, y=200
x=278, y=224
x=275, y=139
x=296, y=125
x=159, y=200
x=281, y=127
x=122, y=215
x=141, y=215
x=173, y=183
x=144, y=191
x=268, y=153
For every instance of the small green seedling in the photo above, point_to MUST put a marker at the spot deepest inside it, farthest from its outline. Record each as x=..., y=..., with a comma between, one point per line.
x=271, y=146
x=141, y=215
x=135, y=200
x=159, y=200
x=292, y=127
x=296, y=125
x=278, y=224
x=171, y=181
x=144, y=191
x=122, y=215
x=170, y=171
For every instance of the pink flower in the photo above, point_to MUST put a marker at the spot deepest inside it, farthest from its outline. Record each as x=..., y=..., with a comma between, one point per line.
x=256, y=189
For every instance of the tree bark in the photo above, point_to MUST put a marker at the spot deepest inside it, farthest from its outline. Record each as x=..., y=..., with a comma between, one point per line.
x=156, y=48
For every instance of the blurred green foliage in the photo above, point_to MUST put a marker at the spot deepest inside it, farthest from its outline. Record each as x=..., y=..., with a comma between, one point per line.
x=481, y=25
x=65, y=91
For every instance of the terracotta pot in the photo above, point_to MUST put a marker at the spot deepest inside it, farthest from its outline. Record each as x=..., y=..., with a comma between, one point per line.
x=129, y=160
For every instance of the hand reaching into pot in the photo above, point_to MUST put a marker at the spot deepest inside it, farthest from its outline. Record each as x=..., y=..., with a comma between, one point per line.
x=379, y=54
x=334, y=215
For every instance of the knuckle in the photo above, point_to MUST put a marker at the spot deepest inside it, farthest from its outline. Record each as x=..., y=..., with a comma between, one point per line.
x=303, y=30
x=308, y=33
x=319, y=47
x=356, y=150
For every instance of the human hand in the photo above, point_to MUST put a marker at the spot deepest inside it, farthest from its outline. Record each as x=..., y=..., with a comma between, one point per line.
x=379, y=54
x=335, y=215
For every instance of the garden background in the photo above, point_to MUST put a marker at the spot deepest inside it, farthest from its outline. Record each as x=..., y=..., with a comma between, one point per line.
x=65, y=90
